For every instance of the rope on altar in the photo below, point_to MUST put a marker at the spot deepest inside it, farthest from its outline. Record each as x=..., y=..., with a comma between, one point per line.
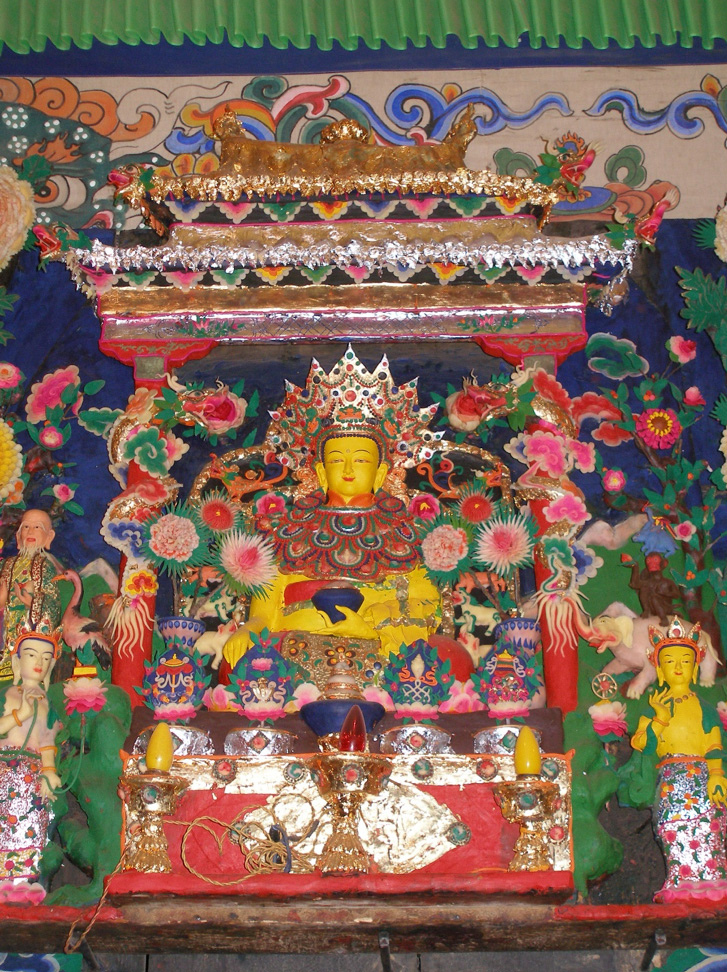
x=264, y=849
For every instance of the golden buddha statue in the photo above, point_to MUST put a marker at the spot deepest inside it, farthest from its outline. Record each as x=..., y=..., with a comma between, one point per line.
x=690, y=819
x=348, y=437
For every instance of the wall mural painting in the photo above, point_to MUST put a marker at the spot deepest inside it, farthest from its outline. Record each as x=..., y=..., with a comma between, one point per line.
x=677, y=115
x=70, y=135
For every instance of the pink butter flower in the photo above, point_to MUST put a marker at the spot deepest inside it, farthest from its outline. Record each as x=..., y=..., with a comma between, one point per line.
x=444, y=547
x=424, y=506
x=220, y=699
x=304, y=693
x=681, y=349
x=10, y=375
x=63, y=493
x=684, y=530
x=47, y=392
x=609, y=717
x=219, y=413
x=50, y=437
x=693, y=397
x=270, y=504
x=613, y=480
x=84, y=695
x=462, y=698
x=658, y=427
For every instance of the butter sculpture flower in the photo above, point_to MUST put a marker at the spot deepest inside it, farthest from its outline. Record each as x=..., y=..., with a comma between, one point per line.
x=681, y=349
x=248, y=562
x=11, y=460
x=84, y=695
x=505, y=542
x=219, y=412
x=609, y=718
x=17, y=213
x=658, y=427
x=47, y=392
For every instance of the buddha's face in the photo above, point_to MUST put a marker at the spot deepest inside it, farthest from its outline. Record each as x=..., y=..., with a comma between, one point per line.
x=677, y=666
x=34, y=662
x=351, y=467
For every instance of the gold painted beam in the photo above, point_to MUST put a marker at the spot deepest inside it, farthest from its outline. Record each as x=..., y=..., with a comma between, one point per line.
x=368, y=232
x=384, y=297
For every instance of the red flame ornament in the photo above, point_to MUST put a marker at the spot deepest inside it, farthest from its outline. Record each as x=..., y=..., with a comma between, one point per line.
x=352, y=738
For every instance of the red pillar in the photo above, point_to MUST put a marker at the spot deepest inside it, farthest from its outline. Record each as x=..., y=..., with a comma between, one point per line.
x=127, y=669
x=560, y=652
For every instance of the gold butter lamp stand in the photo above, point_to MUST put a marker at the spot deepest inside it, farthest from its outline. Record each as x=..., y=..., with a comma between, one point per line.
x=151, y=796
x=529, y=802
x=345, y=780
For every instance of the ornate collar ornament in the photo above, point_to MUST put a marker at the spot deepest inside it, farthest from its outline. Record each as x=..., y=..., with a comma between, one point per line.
x=321, y=541
x=676, y=635
x=50, y=639
x=351, y=400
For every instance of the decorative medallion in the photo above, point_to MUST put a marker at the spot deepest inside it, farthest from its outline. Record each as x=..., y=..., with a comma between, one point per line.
x=459, y=834
x=422, y=769
x=224, y=770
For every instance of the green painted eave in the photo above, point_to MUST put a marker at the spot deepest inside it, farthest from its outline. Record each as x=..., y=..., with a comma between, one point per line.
x=29, y=25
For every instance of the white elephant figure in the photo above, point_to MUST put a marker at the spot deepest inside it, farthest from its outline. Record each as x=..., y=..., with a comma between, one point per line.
x=626, y=635
x=212, y=642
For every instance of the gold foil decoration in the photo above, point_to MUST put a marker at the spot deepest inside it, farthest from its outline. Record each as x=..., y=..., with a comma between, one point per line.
x=367, y=233
x=231, y=188
x=464, y=298
x=402, y=829
x=347, y=159
x=317, y=654
x=530, y=803
x=345, y=147
x=150, y=797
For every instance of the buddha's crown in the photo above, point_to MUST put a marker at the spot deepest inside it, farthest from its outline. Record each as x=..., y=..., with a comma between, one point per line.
x=351, y=400
x=676, y=634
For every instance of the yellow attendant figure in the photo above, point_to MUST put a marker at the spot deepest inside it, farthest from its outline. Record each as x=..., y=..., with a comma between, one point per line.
x=690, y=815
x=348, y=437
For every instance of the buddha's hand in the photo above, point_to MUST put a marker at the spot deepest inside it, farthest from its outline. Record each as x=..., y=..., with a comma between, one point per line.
x=382, y=612
x=662, y=715
x=238, y=643
x=49, y=783
x=717, y=788
x=353, y=627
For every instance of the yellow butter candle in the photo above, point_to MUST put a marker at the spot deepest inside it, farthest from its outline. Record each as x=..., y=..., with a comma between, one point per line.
x=160, y=749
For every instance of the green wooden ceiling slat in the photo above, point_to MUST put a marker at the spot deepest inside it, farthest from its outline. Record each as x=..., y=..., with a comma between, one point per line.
x=28, y=25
